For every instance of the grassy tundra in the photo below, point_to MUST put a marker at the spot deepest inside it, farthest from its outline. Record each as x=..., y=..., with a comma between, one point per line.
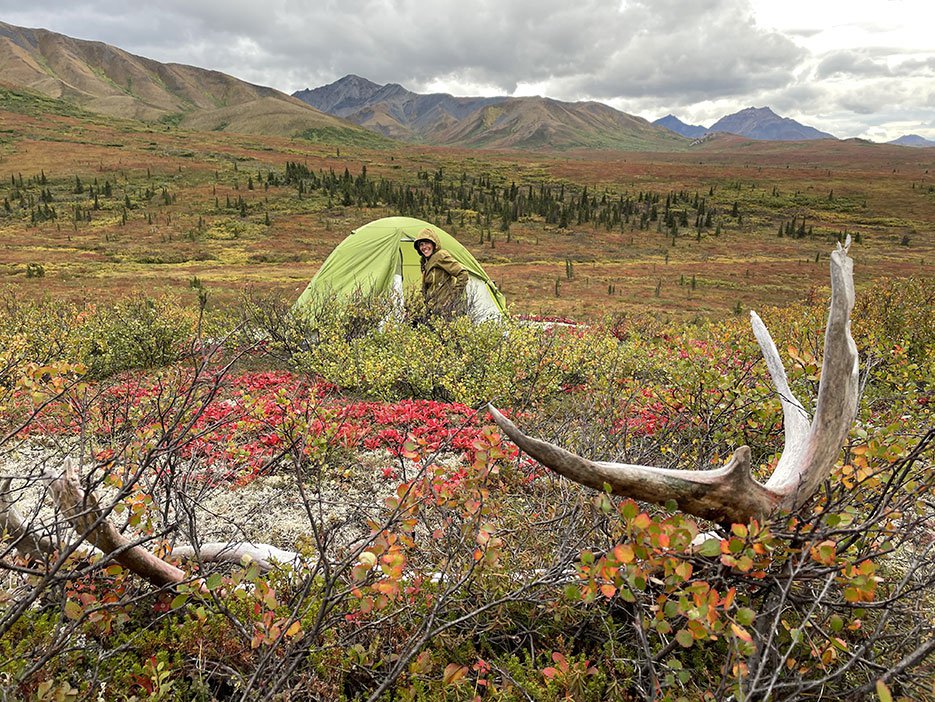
x=146, y=344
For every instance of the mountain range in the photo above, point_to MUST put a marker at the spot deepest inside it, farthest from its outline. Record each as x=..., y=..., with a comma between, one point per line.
x=107, y=80
x=692, y=131
x=752, y=122
x=763, y=123
x=527, y=122
x=486, y=122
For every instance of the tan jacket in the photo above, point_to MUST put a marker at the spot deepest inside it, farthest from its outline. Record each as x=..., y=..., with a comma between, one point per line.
x=444, y=280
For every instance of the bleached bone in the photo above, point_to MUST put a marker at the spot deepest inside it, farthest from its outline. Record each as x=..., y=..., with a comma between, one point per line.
x=263, y=555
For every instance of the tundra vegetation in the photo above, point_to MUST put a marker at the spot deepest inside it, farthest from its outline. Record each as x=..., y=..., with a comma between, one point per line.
x=402, y=546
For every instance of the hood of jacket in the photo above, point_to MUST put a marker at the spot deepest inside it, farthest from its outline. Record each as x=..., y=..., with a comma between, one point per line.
x=427, y=235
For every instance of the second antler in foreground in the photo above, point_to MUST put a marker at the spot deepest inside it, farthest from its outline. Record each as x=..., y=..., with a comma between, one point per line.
x=730, y=494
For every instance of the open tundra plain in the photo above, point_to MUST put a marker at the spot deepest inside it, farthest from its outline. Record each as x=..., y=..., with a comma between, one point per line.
x=106, y=208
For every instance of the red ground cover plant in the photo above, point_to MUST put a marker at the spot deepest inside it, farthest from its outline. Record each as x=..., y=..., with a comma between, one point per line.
x=241, y=426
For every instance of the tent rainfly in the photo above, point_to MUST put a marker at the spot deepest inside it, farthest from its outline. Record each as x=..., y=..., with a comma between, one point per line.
x=380, y=257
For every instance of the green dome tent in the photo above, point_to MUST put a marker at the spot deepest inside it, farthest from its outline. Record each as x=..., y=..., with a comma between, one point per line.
x=379, y=257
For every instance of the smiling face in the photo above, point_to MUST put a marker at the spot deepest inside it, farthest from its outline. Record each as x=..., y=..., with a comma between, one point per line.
x=426, y=248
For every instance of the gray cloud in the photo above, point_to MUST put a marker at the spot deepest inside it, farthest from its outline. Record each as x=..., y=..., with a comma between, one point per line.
x=852, y=63
x=707, y=57
x=915, y=67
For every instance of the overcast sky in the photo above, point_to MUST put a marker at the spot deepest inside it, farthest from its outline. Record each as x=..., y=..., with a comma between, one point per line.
x=854, y=68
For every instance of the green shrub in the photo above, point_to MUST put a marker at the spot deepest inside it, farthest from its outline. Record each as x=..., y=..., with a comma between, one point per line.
x=138, y=333
x=371, y=347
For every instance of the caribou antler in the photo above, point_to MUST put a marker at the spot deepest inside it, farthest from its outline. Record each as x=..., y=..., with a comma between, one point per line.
x=86, y=516
x=82, y=509
x=730, y=494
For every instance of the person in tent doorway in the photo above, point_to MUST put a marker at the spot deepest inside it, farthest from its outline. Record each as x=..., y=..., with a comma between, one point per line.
x=444, y=280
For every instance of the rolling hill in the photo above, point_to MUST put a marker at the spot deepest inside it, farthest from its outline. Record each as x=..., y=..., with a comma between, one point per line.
x=535, y=122
x=107, y=80
x=493, y=122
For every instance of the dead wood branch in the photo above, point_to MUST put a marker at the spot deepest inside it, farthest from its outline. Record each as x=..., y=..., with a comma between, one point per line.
x=21, y=535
